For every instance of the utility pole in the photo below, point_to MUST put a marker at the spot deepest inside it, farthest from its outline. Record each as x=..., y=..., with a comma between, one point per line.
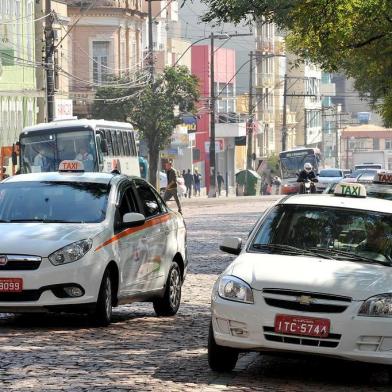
x=284, y=124
x=150, y=42
x=49, y=69
x=212, y=191
x=337, y=126
x=249, y=128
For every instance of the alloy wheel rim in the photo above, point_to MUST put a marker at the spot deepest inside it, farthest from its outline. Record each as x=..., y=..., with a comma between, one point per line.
x=175, y=287
x=108, y=298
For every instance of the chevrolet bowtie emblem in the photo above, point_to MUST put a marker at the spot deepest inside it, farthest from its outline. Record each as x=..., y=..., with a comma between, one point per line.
x=305, y=300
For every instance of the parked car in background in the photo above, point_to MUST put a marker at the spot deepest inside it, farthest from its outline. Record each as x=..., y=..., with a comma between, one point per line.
x=346, y=172
x=362, y=175
x=328, y=176
x=380, y=187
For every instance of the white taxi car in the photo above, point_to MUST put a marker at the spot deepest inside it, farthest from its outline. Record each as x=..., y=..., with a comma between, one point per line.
x=75, y=241
x=315, y=276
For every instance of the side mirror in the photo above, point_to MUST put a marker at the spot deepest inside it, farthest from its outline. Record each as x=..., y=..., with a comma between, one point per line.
x=14, y=158
x=231, y=245
x=104, y=146
x=133, y=219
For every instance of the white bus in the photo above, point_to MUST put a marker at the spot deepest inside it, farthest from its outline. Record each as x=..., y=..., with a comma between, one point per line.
x=101, y=145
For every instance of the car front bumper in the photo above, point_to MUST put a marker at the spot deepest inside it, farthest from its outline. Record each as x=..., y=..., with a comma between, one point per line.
x=250, y=327
x=43, y=287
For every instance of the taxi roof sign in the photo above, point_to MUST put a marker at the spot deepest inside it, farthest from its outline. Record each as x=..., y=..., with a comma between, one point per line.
x=71, y=166
x=350, y=189
x=383, y=177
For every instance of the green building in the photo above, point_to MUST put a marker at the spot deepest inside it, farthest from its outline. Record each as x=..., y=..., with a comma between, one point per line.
x=18, y=92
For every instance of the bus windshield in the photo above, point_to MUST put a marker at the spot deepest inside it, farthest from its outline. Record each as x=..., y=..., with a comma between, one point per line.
x=293, y=162
x=42, y=152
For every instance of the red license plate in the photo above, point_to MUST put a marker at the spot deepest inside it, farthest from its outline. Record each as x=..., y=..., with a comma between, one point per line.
x=11, y=285
x=298, y=325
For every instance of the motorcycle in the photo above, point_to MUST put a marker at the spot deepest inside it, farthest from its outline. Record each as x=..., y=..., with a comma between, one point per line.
x=308, y=187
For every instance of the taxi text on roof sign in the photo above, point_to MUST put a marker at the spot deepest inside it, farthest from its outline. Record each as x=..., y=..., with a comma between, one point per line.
x=384, y=177
x=350, y=189
x=71, y=166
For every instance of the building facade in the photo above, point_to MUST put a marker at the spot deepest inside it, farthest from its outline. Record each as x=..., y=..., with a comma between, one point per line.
x=18, y=93
x=304, y=98
x=105, y=41
x=366, y=143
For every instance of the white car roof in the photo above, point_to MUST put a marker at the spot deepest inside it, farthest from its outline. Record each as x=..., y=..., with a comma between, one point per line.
x=100, y=178
x=356, y=203
x=77, y=123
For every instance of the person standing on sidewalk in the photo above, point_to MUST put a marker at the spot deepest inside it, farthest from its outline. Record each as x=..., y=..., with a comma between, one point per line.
x=196, y=180
x=171, y=189
x=220, y=182
x=188, y=183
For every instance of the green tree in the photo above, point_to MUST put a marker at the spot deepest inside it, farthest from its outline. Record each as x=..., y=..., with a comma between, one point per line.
x=350, y=36
x=151, y=109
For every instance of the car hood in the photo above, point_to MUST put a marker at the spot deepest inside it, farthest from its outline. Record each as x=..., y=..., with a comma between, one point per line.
x=327, y=180
x=42, y=239
x=357, y=280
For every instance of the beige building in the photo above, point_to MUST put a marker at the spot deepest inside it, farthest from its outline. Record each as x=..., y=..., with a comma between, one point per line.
x=168, y=47
x=106, y=40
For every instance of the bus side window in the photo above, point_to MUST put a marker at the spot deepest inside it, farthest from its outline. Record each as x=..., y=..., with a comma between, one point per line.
x=125, y=143
x=116, y=151
x=109, y=142
x=120, y=143
x=132, y=144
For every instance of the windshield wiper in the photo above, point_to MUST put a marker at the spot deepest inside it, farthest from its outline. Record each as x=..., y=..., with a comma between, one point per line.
x=351, y=256
x=290, y=249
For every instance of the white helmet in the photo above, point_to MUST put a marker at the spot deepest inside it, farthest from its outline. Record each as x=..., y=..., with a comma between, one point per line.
x=308, y=167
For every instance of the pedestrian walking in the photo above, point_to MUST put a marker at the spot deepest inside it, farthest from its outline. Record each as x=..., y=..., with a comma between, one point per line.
x=220, y=182
x=188, y=183
x=171, y=189
x=197, y=180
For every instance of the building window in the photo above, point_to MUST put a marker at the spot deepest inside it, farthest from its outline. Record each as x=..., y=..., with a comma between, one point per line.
x=100, y=61
x=376, y=144
x=388, y=144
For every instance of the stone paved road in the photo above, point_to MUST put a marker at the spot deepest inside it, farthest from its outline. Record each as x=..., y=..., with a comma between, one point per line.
x=140, y=352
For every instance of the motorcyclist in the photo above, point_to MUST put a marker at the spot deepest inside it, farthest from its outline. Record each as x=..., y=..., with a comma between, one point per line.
x=305, y=175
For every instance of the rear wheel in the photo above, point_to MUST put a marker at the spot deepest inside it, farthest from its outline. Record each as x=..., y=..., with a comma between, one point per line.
x=102, y=314
x=170, y=302
x=220, y=359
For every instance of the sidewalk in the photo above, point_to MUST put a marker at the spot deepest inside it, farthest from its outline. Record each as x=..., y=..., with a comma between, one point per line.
x=203, y=200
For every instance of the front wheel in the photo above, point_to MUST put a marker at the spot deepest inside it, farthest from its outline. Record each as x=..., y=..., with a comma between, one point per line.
x=220, y=359
x=170, y=302
x=102, y=314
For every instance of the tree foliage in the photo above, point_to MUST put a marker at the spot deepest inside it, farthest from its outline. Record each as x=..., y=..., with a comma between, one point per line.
x=151, y=109
x=350, y=36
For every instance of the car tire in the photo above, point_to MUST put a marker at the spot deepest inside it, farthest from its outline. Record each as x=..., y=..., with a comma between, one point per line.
x=102, y=314
x=220, y=359
x=170, y=302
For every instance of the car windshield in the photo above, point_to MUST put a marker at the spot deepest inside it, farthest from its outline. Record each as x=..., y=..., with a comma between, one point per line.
x=343, y=234
x=360, y=172
x=66, y=202
x=367, y=175
x=330, y=173
x=43, y=152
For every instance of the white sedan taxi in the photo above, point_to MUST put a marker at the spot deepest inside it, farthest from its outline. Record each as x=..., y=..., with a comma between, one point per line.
x=315, y=276
x=85, y=242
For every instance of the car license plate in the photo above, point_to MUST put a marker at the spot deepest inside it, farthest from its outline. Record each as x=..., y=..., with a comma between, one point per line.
x=11, y=285
x=299, y=325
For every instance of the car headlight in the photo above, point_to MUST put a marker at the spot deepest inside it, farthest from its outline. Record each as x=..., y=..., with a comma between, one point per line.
x=71, y=252
x=377, y=306
x=235, y=289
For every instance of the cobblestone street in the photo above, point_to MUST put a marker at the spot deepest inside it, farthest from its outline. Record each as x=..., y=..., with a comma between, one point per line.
x=140, y=352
